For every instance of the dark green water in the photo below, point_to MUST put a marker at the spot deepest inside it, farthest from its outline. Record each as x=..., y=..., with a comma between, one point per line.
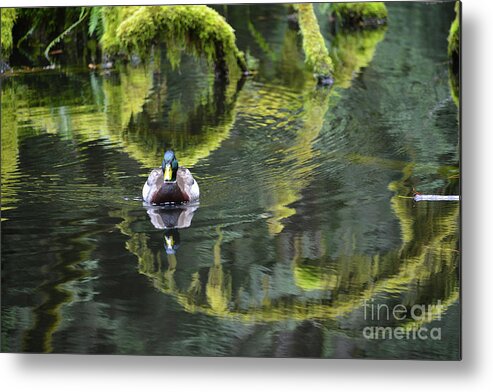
x=299, y=221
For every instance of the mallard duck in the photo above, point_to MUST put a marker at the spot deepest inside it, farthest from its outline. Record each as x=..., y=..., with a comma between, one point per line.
x=170, y=183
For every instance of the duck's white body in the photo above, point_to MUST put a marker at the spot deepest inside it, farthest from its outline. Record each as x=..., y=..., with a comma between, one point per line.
x=157, y=191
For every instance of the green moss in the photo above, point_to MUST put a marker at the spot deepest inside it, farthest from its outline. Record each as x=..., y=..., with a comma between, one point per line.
x=360, y=14
x=454, y=55
x=8, y=16
x=454, y=34
x=112, y=18
x=199, y=30
x=316, y=53
x=454, y=86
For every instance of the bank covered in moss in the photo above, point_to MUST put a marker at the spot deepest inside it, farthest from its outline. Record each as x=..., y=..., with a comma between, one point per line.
x=199, y=30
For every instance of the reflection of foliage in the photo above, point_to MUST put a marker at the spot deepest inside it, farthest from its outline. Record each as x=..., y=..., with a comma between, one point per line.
x=261, y=42
x=198, y=29
x=317, y=55
x=347, y=280
x=353, y=51
x=294, y=180
x=290, y=65
x=58, y=290
x=312, y=274
x=119, y=99
x=67, y=260
x=10, y=150
x=114, y=108
x=7, y=18
x=215, y=102
x=122, y=105
x=426, y=258
x=309, y=277
x=218, y=289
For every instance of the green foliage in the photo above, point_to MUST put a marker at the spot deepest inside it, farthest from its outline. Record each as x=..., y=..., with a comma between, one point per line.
x=83, y=14
x=8, y=17
x=317, y=55
x=96, y=22
x=112, y=18
x=199, y=30
x=37, y=26
x=360, y=14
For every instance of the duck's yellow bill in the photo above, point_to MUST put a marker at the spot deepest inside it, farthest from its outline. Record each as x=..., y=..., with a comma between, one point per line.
x=168, y=173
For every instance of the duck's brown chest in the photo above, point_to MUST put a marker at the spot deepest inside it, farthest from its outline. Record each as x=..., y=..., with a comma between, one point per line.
x=169, y=192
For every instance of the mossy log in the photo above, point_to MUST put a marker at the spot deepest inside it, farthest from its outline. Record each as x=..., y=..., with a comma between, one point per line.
x=316, y=53
x=7, y=16
x=197, y=29
x=360, y=15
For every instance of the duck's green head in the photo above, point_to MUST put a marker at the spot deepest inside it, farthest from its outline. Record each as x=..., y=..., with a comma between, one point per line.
x=169, y=166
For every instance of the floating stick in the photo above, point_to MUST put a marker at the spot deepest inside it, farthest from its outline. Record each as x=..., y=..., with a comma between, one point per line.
x=436, y=198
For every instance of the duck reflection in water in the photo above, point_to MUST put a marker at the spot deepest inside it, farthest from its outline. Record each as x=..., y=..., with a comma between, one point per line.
x=170, y=219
